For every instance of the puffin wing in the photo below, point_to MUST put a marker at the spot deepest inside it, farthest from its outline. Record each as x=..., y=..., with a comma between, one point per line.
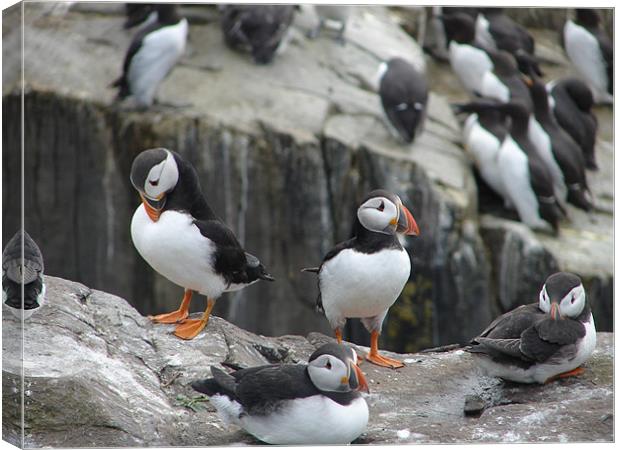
x=230, y=258
x=513, y=323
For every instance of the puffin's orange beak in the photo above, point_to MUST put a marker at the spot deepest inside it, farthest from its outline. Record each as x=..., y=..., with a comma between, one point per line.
x=152, y=211
x=406, y=223
x=555, y=311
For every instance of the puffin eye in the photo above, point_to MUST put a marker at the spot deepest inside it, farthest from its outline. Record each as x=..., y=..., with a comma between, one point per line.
x=154, y=183
x=328, y=365
x=381, y=206
x=572, y=300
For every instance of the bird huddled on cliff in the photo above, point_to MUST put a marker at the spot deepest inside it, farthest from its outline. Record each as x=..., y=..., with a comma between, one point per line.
x=26, y=273
x=542, y=341
x=179, y=235
x=152, y=54
x=294, y=404
x=363, y=276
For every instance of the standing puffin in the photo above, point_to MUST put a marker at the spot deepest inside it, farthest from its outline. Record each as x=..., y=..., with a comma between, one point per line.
x=572, y=101
x=363, y=277
x=151, y=56
x=294, y=404
x=259, y=29
x=543, y=341
x=178, y=234
x=29, y=274
x=591, y=51
x=565, y=151
x=404, y=93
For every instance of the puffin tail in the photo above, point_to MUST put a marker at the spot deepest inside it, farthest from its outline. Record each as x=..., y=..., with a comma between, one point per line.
x=256, y=270
x=311, y=269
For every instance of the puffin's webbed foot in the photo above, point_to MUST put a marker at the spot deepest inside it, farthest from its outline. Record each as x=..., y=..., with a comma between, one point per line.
x=176, y=316
x=384, y=361
x=570, y=373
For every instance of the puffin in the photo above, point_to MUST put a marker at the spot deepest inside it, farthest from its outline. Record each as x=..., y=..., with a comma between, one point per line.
x=543, y=341
x=495, y=30
x=29, y=275
x=178, y=234
x=332, y=13
x=404, y=93
x=318, y=403
x=564, y=149
x=363, y=276
x=591, y=51
x=139, y=14
x=484, y=132
x=260, y=29
x=571, y=101
x=152, y=54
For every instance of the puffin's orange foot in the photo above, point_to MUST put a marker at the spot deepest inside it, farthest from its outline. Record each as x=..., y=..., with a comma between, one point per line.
x=384, y=361
x=190, y=328
x=571, y=373
x=173, y=317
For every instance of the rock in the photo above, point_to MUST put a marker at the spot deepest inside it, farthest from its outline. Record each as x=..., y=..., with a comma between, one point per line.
x=284, y=152
x=474, y=405
x=97, y=373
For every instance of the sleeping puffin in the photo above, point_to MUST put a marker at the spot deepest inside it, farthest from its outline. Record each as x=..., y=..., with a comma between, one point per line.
x=363, y=277
x=404, y=93
x=542, y=341
x=152, y=54
x=30, y=274
x=294, y=404
x=572, y=101
x=260, y=29
x=178, y=234
x=565, y=151
x=591, y=51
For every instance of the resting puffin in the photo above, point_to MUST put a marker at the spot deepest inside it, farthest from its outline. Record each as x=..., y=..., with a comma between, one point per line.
x=151, y=56
x=260, y=29
x=542, y=341
x=294, y=404
x=404, y=93
x=30, y=274
x=572, y=101
x=363, y=277
x=565, y=151
x=591, y=51
x=178, y=234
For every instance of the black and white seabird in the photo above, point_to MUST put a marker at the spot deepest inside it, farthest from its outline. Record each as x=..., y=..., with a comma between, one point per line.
x=591, y=51
x=294, y=404
x=504, y=82
x=495, y=30
x=152, y=54
x=142, y=14
x=178, y=234
x=338, y=14
x=260, y=29
x=572, y=101
x=363, y=277
x=404, y=93
x=29, y=274
x=483, y=134
x=564, y=149
x=543, y=341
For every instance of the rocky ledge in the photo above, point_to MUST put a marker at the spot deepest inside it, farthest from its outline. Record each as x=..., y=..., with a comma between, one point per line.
x=97, y=373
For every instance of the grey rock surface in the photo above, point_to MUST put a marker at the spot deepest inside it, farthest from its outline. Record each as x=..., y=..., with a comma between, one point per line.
x=284, y=153
x=97, y=373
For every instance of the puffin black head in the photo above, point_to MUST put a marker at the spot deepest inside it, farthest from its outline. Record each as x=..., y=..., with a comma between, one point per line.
x=383, y=212
x=154, y=174
x=459, y=27
x=333, y=368
x=12, y=265
x=167, y=13
x=562, y=295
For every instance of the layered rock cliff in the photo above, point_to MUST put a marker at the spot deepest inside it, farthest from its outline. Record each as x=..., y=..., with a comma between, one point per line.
x=284, y=153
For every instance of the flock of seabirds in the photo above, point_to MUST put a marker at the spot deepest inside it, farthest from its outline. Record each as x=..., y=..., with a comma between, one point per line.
x=539, y=137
